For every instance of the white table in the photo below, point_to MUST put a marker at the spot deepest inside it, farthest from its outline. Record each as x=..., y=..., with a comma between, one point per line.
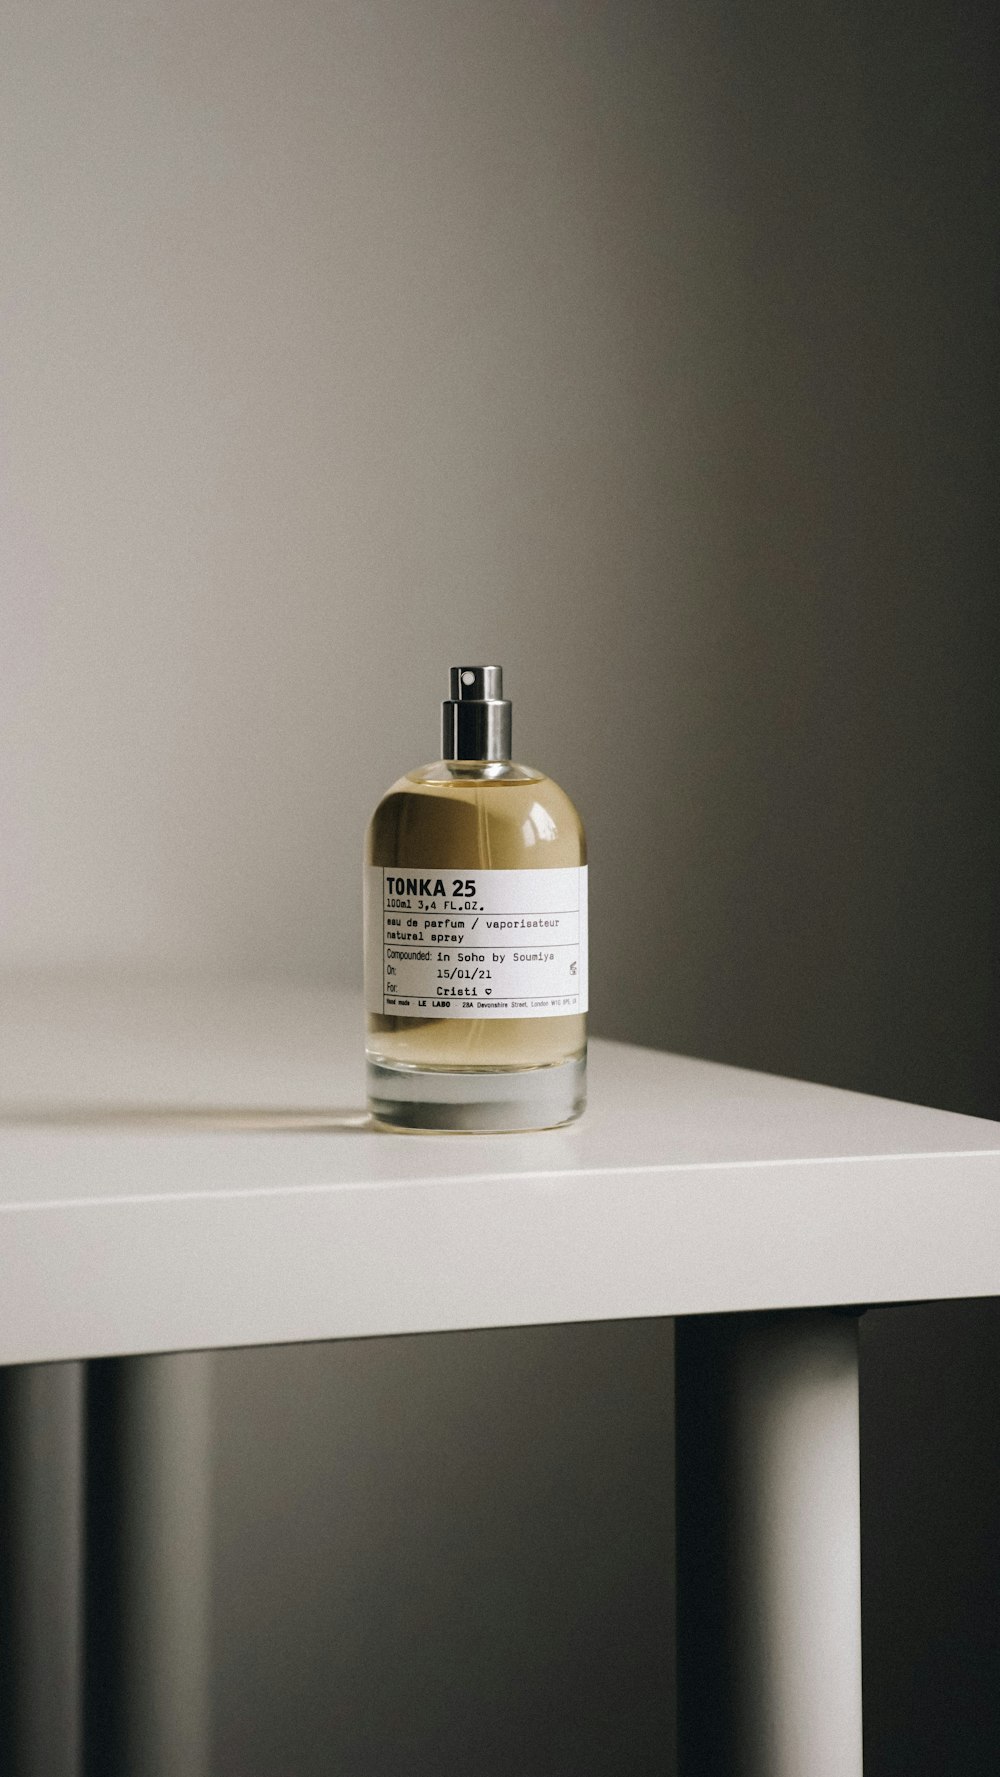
x=187, y=1167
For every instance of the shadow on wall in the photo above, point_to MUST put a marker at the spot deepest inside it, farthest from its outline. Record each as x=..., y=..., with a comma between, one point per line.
x=810, y=774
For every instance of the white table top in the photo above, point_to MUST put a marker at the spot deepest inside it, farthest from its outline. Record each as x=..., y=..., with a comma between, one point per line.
x=190, y=1166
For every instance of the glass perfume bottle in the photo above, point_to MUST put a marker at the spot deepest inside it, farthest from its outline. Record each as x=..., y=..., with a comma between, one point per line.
x=476, y=934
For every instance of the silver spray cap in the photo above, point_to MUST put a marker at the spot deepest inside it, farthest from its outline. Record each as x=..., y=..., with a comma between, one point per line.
x=475, y=719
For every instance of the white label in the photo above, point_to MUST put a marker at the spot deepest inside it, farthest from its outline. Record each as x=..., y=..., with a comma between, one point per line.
x=480, y=944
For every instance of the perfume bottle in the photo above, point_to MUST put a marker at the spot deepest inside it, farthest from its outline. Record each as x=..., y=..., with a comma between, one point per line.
x=476, y=934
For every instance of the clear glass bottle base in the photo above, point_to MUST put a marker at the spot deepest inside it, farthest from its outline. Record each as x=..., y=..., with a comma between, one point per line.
x=477, y=1099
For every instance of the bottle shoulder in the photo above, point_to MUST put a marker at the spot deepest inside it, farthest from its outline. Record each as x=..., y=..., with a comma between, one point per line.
x=456, y=774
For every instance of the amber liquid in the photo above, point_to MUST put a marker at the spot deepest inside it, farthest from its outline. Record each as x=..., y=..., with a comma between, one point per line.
x=456, y=816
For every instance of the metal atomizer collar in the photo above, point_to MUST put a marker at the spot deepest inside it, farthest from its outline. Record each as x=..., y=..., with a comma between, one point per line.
x=475, y=719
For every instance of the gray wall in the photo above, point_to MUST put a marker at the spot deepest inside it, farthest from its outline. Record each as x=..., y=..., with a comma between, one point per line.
x=647, y=348
x=338, y=341
x=644, y=347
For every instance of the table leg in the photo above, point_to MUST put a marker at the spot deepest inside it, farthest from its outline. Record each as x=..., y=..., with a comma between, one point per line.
x=769, y=1546
x=149, y=1659
x=41, y=1569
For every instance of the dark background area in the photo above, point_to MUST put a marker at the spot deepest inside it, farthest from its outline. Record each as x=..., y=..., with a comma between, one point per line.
x=930, y=1479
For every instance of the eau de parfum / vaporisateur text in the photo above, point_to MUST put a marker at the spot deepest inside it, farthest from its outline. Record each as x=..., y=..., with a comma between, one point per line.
x=476, y=934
